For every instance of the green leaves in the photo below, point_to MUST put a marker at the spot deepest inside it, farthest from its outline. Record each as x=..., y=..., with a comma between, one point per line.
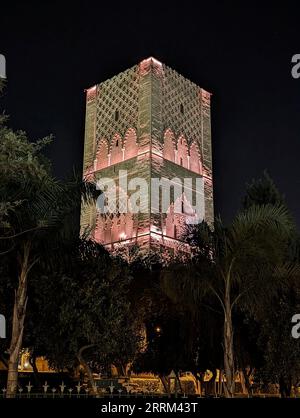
x=261, y=192
x=242, y=266
x=259, y=221
x=85, y=303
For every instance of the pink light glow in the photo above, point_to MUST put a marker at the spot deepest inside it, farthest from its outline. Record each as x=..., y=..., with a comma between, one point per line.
x=182, y=152
x=116, y=151
x=130, y=144
x=91, y=89
x=91, y=93
x=102, y=155
x=155, y=61
x=149, y=63
x=195, y=159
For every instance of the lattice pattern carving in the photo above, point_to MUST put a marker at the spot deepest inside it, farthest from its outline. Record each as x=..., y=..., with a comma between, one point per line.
x=149, y=106
x=181, y=107
x=119, y=93
x=180, y=153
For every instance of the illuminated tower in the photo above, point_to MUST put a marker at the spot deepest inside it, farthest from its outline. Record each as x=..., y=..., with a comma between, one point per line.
x=152, y=123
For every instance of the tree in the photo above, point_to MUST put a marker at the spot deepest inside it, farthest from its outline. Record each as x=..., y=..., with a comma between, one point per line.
x=263, y=191
x=235, y=264
x=166, y=338
x=85, y=315
x=249, y=354
x=27, y=192
x=37, y=214
x=175, y=337
x=201, y=322
x=280, y=351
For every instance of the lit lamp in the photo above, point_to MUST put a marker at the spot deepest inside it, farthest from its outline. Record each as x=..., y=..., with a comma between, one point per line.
x=172, y=382
x=25, y=362
x=122, y=236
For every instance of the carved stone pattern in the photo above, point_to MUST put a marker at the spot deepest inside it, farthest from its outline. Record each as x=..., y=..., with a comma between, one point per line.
x=118, y=93
x=177, y=91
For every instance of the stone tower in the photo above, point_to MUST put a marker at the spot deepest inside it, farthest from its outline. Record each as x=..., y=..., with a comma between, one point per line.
x=148, y=122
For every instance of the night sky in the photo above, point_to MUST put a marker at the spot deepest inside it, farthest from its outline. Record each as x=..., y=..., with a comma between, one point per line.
x=242, y=54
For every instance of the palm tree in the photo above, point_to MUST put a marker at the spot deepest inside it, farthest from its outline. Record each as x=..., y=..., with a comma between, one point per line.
x=240, y=264
x=39, y=217
x=44, y=226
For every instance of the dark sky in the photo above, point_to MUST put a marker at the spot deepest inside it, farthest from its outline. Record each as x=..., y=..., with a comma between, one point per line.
x=242, y=54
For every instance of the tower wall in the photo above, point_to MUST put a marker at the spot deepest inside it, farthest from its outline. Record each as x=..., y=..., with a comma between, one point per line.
x=152, y=122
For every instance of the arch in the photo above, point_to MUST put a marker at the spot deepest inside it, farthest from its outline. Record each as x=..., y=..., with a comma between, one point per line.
x=179, y=214
x=116, y=150
x=130, y=144
x=195, y=159
x=184, y=205
x=169, y=146
x=182, y=152
x=118, y=223
x=174, y=223
x=101, y=160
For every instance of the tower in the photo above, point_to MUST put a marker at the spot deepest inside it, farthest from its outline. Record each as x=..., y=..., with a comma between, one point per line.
x=148, y=122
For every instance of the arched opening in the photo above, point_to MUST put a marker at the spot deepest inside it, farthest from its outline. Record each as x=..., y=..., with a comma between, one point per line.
x=116, y=152
x=130, y=144
x=117, y=224
x=195, y=159
x=102, y=155
x=182, y=152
